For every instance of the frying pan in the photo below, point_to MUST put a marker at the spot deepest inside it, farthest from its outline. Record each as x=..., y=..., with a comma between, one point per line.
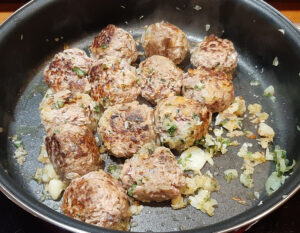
x=30, y=38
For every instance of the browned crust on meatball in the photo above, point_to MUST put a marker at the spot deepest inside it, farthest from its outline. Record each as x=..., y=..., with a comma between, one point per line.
x=215, y=53
x=114, y=41
x=61, y=73
x=210, y=87
x=125, y=128
x=152, y=175
x=104, y=37
x=73, y=151
x=97, y=198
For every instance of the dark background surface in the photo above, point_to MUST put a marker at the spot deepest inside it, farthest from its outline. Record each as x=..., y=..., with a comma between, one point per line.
x=284, y=220
x=15, y=220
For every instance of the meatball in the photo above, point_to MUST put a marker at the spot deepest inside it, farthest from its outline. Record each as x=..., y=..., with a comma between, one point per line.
x=125, y=128
x=73, y=151
x=113, y=82
x=97, y=198
x=212, y=88
x=159, y=78
x=215, y=53
x=114, y=41
x=152, y=175
x=71, y=108
x=180, y=121
x=165, y=39
x=68, y=70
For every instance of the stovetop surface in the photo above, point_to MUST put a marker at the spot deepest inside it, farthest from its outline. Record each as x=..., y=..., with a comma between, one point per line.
x=13, y=219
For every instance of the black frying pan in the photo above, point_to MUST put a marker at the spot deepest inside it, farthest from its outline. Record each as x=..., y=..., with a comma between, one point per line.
x=40, y=29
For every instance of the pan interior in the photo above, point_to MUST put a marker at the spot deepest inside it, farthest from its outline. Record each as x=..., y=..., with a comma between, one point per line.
x=252, y=66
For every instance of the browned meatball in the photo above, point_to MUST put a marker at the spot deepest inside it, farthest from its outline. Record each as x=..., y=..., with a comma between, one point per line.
x=113, y=82
x=97, y=198
x=160, y=78
x=165, y=39
x=68, y=70
x=180, y=121
x=125, y=128
x=73, y=151
x=212, y=88
x=67, y=107
x=152, y=175
x=215, y=53
x=116, y=42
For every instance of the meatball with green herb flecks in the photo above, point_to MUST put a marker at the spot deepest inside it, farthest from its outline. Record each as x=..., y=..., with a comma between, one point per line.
x=113, y=82
x=99, y=199
x=65, y=107
x=68, y=71
x=125, y=128
x=159, y=78
x=152, y=174
x=114, y=41
x=210, y=87
x=180, y=122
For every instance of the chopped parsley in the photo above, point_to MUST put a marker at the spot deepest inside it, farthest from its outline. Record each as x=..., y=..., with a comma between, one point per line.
x=112, y=168
x=195, y=116
x=104, y=66
x=79, y=72
x=171, y=130
x=97, y=109
x=198, y=88
x=268, y=95
x=104, y=46
x=58, y=104
x=131, y=189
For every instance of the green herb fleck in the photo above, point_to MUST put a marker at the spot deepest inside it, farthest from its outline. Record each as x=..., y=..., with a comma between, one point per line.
x=58, y=104
x=269, y=95
x=179, y=161
x=79, y=72
x=18, y=143
x=104, y=66
x=112, y=168
x=97, y=109
x=131, y=189
x=187, y=158
x=197, y=88
x=104, y=46
x=171, y=130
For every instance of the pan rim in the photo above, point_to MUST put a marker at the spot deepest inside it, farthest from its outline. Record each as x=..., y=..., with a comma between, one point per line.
x=45, y=213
